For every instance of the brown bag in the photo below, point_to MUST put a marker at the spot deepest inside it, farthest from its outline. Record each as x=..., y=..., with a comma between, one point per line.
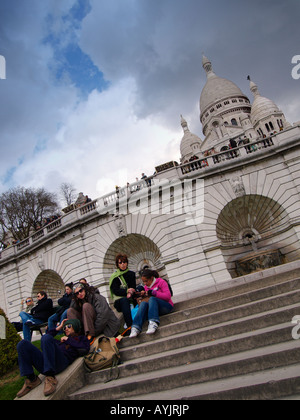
x=104, y=354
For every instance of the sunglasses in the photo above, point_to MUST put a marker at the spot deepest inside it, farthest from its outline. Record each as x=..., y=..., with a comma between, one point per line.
x=69, y=326
x=79, y=291
x=29, y=300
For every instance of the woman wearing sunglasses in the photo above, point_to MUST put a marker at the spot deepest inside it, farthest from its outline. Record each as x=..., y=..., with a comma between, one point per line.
x=55, y=356
x=93, y=311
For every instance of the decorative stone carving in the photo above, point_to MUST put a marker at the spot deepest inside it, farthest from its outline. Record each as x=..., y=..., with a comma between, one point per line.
x=258, y=261
x=238, y=186
x=121, y=225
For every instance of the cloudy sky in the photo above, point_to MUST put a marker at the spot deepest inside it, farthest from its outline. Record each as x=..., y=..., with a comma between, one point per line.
x=94, y=89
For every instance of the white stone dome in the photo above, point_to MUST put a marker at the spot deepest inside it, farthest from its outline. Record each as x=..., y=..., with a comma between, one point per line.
x=216, y=88
x=190, y=143
x=262, y=107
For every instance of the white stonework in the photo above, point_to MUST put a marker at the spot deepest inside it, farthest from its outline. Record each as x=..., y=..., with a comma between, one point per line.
x=193, y=224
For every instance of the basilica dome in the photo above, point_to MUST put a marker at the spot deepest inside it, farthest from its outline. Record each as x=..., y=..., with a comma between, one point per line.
x=216, y=88
x=190, y=144
x=262, y=107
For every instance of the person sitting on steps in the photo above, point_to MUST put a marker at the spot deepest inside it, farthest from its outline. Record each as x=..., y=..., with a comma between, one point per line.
x=55, y=356
x=158, y=302
x=93, y=311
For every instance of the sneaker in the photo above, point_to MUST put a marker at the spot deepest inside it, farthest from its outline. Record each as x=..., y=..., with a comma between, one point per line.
x=50, y=385
x=152, y=327
x=28, y=386
x=134, y=332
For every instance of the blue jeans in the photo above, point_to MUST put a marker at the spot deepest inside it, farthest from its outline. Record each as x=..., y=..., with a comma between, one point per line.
x=151, y=310
x=26, y=328
x=54, y=319
x=50, y=360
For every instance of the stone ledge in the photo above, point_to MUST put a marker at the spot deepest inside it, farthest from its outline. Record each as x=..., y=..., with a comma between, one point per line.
x=69, y=381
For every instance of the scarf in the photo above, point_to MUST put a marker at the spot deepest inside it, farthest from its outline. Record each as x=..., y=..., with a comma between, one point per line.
x=117, y=274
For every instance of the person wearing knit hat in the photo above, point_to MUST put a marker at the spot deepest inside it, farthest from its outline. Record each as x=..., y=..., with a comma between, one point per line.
x=54, y=358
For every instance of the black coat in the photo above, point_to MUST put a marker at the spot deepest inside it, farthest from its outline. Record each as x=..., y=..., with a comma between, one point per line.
x=117, y=288
x=43, y=309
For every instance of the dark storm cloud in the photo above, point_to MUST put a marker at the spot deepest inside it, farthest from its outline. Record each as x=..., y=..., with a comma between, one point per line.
x=160, y=45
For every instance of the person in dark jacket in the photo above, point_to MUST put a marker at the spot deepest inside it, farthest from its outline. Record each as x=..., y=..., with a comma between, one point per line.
x=122, y=286
x=38, y=314
x=54, y=358
x=64, y=303
x=93, y=311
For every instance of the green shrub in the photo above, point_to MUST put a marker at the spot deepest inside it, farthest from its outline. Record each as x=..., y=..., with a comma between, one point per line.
x=8, y=347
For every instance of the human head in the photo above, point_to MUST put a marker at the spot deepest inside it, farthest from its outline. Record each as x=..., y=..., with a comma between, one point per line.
x=69, y=288
x=41, y=295
x=29, y=301
x=148, y=276
x=79, y=291
x=83, y=281
x=122, y=262
x=72, y=327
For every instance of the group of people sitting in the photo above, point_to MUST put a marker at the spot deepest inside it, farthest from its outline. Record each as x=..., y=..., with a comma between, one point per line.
x=83, y=315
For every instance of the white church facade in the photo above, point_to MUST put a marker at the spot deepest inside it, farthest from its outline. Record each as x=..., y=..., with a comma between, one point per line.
x=228, y=210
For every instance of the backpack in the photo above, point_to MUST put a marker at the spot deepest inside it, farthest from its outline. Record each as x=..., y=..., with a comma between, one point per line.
x=104, y=354
x=170, y=287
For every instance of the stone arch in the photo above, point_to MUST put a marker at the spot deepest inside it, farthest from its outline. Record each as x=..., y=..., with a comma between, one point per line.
x=51, y=283
x=256, y=226
x=141, y=252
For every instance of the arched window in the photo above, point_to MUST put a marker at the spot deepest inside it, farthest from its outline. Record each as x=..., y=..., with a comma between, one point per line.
x=233, y=121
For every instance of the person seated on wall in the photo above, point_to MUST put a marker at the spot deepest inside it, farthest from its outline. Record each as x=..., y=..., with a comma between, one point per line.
x=64, y=303
x=55, y=356
x=155, y=301
x=29, y=305
x=122, y=285
x=93, y=311
x=38, y=314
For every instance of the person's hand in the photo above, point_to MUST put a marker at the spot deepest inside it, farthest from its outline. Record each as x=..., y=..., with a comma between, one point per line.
x=61, y=325
x=64, y=338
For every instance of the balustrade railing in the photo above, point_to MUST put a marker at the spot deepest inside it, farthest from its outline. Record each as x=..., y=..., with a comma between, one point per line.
x=230, y=154
x=106, y=202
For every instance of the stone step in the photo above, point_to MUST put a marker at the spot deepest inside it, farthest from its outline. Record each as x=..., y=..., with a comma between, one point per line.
x=283, y=282
x=206, y=340
x=235, y=308
x=199, y=352
x=272, y=384
x=193, y=322
x=241, y=294
x=240, y=363
x=209, y=333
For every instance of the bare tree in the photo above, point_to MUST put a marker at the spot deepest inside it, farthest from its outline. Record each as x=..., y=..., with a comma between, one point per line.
x=68, y=193
x=23, y=210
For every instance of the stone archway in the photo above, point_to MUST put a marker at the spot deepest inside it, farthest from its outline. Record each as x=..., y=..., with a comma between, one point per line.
x=256, y=227
x=141, y=252
x=51, y=283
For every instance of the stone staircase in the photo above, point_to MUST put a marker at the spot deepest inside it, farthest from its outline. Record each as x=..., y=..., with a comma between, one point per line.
x=230, y=344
